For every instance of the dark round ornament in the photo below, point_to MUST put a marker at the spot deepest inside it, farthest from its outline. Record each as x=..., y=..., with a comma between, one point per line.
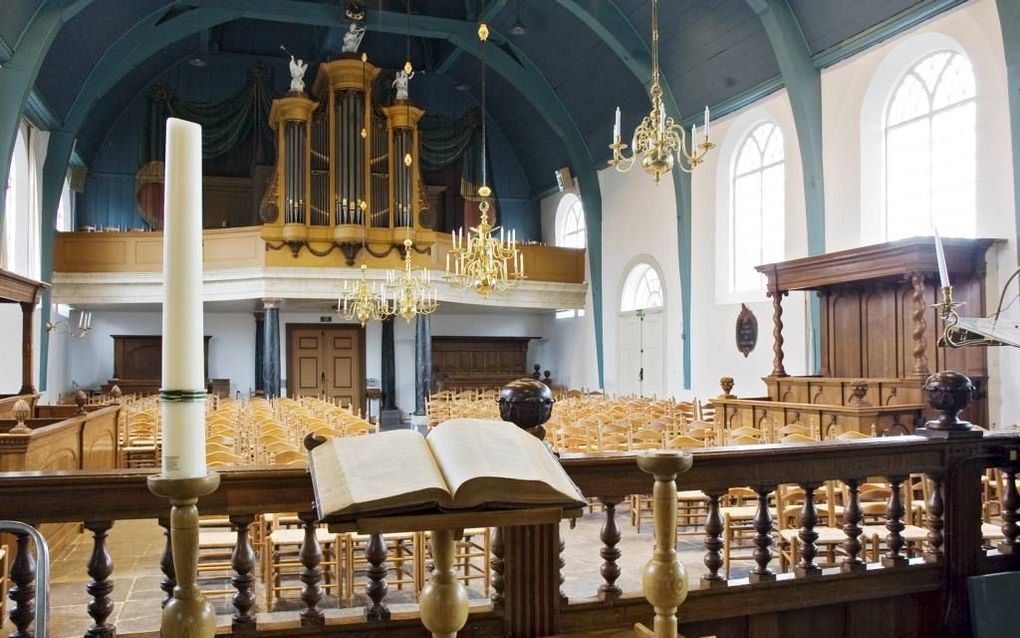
x=948, y=392
x=527, y=403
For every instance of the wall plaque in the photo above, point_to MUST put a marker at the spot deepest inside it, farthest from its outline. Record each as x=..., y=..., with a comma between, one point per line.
x=747, y=330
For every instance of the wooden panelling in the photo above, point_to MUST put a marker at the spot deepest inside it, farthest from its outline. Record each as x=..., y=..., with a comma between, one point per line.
x=80, y=442
x=473, y=362
x=136, y=251
x=7, y=403
x=141, y=356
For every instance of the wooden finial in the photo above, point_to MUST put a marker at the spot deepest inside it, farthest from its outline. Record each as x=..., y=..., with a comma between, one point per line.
x=22, y=412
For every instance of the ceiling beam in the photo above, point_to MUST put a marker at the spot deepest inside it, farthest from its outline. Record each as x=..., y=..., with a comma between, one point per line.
x=151, y=36
x=804, y=87
x=19, y=72
x=487, y=15
x=1009, y=22
x=608, y=22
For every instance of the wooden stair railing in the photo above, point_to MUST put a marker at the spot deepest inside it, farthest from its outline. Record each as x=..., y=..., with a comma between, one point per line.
x=929, y=587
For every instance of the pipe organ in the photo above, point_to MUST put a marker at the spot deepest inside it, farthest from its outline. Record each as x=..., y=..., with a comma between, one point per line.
x=347, y=172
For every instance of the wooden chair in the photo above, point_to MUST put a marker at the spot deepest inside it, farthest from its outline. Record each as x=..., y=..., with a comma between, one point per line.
x=471, y=558
x=223, y=459
x=738, y=528
x=852, y=435
x=797, y=438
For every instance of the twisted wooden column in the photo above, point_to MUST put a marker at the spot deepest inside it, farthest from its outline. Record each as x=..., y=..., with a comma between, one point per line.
x=22, y=591
x=777, y=332
x=920, y=326
x=852, y=516
x=377, y=587
x=243, y=563
x=100, y=568
x=311, y=572
x=609, y=591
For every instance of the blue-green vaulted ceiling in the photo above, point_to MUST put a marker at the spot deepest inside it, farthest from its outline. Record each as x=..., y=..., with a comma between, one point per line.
x=713, y=52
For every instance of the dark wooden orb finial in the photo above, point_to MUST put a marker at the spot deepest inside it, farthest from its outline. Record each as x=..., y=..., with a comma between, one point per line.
x=527, y=403
x=948, y=393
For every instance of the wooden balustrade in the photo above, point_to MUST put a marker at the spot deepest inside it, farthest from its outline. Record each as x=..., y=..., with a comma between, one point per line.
x=924, y=595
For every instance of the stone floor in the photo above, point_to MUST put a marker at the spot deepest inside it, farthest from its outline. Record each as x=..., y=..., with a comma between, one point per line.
x=135, y=547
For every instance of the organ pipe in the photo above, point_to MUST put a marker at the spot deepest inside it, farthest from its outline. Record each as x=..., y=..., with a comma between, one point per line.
x=335, y=184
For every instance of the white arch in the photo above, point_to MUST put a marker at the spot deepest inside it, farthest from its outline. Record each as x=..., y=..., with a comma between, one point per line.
x=642, y=287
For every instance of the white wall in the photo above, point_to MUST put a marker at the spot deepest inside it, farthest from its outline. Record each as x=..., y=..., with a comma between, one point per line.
x=853, y=154
x=231, y=349
x=10, y=328
x=714, y=308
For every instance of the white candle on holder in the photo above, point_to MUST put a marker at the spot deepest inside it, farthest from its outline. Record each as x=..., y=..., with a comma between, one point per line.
x=940, y=255
x=694, y=139
x=616, y=127
x=183, y=383
x=707, y=120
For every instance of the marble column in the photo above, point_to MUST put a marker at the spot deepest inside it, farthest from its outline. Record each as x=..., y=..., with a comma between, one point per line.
x=260, y=335
x=422, y=363
x=389, y=413
x=271, y=348
x=27, y=325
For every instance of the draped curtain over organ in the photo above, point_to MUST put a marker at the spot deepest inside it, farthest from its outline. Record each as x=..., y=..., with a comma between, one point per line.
x=235, y=136
x=446, y=141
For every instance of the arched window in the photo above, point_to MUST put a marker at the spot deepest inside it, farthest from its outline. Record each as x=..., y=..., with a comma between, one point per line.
x=642, y=290
x=15, y=238
x=759, y=204
x=570, y=228
x=930, y=149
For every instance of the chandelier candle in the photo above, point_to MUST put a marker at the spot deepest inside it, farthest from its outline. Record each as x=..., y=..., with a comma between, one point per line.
x=183, y=385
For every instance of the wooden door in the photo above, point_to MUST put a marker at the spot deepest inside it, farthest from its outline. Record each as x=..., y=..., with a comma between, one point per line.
x=326, y=361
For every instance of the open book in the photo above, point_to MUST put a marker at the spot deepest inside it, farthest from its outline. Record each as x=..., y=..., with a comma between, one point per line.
x=463, y=464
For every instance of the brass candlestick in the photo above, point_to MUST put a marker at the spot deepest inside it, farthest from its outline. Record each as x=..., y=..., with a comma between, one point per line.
x=665, y=579
x=188, y=614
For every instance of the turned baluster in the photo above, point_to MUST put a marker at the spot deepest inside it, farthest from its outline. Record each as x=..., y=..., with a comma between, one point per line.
x=311, y=572
x=243, y=563
x=166, y=564
x=561, y=547
x=852, y=516
x=609, y=591
x=375, y=554
x=713, y=543
x=920, y=326
x=22, y=591
x=806, y=567
x=894, y=524
x=762, y=538
x=100, y=567
x=498, y=584
x=936, y=508
x=1010, y=515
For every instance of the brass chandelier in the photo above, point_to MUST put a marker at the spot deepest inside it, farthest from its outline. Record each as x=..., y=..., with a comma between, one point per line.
x=362, y=302
x=659, y=137
x=413, y=293
x=485, y=262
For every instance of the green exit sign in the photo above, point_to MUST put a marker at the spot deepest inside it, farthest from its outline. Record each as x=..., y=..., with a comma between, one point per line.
x=325, y=318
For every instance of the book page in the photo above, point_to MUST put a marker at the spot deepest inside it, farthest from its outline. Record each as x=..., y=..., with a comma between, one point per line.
x=496, y=462
x=376, y=472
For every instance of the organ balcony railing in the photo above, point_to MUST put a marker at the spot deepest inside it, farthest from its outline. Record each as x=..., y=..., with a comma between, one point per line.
x=347, y=173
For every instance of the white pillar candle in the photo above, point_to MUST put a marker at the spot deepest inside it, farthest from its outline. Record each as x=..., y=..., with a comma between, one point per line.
x=694, y=139
x=183, y=351
x=707, y=121
x=940, y=255
x=616, y=127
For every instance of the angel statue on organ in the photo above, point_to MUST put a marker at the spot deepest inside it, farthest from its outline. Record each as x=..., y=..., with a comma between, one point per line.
x=352, y=39
x=297, y=74
x=401, y=83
